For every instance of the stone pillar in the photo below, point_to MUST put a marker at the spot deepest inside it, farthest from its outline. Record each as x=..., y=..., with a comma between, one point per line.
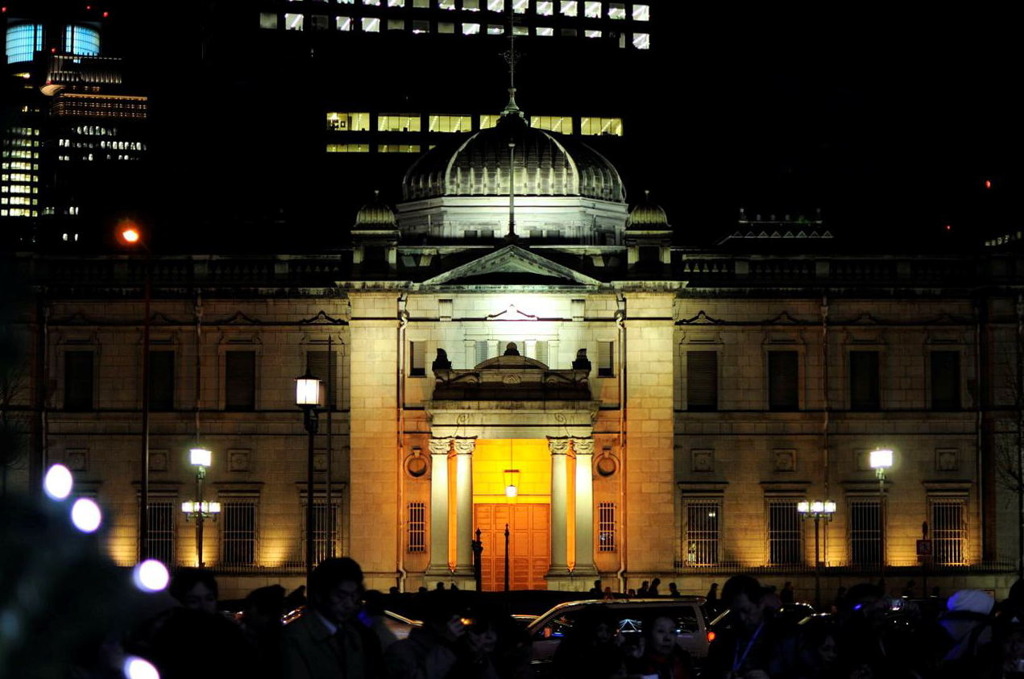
x=559, y=506
x=584, y=548
x=464, y=506
x=439, y=451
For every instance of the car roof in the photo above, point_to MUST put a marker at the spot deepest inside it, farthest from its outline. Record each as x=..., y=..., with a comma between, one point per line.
x=667, y=602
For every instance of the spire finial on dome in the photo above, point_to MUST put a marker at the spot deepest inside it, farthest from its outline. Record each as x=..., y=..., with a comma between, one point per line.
x=511, y=108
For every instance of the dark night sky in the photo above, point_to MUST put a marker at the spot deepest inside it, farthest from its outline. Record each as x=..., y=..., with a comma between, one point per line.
x=888, y=122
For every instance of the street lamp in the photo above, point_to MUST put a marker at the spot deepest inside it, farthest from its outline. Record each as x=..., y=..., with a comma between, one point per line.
x=817, y=510
x=129, y=234
x=307, y=397
x=881, y=459
x=200, y=509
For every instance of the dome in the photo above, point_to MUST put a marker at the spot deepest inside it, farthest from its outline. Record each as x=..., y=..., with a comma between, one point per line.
x=647, y=215
x=375, y=214
x=546, y=164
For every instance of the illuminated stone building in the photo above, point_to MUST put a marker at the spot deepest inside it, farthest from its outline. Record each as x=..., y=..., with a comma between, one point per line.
x=511, y=345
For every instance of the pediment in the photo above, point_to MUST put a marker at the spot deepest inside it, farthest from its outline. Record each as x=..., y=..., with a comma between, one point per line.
x=512, y=265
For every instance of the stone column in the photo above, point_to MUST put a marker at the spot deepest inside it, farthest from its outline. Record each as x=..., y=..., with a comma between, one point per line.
x=559, y=506
x=584, y=551
x=464, y=506
x=439, y=451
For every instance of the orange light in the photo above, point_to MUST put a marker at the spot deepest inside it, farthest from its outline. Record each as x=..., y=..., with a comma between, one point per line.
x=711, y=636
x=988, y=183
x=130, y=235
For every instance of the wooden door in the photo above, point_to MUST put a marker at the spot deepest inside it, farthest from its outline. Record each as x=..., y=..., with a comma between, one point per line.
x=529, y=544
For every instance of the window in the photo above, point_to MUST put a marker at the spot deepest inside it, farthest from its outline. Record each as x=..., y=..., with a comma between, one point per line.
x=488, y=120
x=864, y=384
x=784, y=539
x=420, y=26
x=783, y=380
x=519, y=6
x=538, y=350
x=702, y=380
x=417, y=537
x=591, y=34
x=606, y=527
x=545, y=8
x=949, y=532
x=600, y=126
x=446, y=4
x=445, y=27
x=348, y=148
x=606, y=359
x=482, y=353
x=642, y=41
x=396, y=3
x=592, y=9
x=161, y=380
x=444, y=123
x=616, y=10
x=545, y=31
x=345, y=121
x=238, y=533
x=371, y=25
x=945, y=375
x=398, y=122
x=161, y=531
x=866, y=544
x=641, y=12
x=496, y=5
x=319, y=22
x=268, y=20
x=417, y=359
x=569, y=8
x=398, y=148
x=562, y=124
x=325, y=530
x=78, y=380
x=240, y=380
x=495, y=29
x=702, y=532
x=470, y=29
x=293, y=22
x=342, y=24
x=323, y=365
x=471, y=5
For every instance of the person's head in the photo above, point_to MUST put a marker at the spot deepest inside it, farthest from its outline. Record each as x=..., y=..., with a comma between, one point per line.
x=336, y=589
x=195, y=589
x=661, y=634
x=745, y=597
x=264, y=606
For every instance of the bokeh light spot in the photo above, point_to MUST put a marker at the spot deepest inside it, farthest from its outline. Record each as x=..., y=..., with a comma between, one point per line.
x=137, y=668
x=58, y=482
x=150, y=575
x=86, y=515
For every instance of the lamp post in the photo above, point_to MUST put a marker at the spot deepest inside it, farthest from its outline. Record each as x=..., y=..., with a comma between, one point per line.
x=129, y=234
x=200, y=509
x=817, y=510
x=307, y=397
x=880, y=460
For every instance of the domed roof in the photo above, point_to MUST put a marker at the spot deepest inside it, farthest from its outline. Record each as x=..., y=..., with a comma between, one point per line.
x=375, y=214
x=647, y=215
x=546, y=164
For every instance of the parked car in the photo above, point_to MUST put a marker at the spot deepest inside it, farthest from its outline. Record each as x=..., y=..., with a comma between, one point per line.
x=689, y=614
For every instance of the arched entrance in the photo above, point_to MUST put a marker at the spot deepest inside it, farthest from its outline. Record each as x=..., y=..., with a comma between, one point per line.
x=526, y=464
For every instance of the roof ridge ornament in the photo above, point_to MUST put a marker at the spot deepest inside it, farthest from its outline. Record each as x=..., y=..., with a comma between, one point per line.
x=511, y=108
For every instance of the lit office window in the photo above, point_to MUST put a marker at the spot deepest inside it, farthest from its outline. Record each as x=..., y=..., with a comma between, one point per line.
x=519, y=6
x=446, y=4
x=396, y=3
x=545, y=8
x=488, y=120
x=23, y=40
x=348, y=122
x=398, y=122
x=616, y=10
x=82, y=40
x=371, y=25
x=293, y=22
x=569, y=8
x=373, y=3
x=591, y=34
x=268, y=20
x=600, y=126
x=421, y=4
x=343, y=23
x=348, y=148
x=398, y=148
x=495, y=29
x=561, y=124
x=470, y=29
x=471, y=5
x=641, y=12
x=440, y=123
x=496, y=5
x=592, y=9
x=445, y=27
x=642, y=41
x=545, y=31
x=520, y=30
x=420, y=26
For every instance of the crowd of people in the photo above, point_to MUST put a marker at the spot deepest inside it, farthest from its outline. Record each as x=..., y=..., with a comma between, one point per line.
x=337, y=630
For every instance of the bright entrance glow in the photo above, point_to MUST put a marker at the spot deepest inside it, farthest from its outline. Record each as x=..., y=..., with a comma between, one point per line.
x=58, y=482
x=86, y=515
x=150, y=576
